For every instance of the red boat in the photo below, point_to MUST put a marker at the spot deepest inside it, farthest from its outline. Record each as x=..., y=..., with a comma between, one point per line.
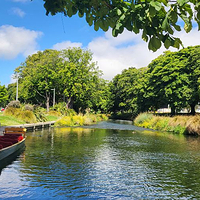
x=11, y=141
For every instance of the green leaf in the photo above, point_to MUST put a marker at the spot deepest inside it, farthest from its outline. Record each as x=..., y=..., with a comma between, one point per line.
x=157, y=5
x=119, y=12
x=80, y=14
x=156, y=42
x=144, y=36
x=96, y=25
x=182, y=2
x=165, y=24
x=152, y=11
x=167, y=43
x=177, y=27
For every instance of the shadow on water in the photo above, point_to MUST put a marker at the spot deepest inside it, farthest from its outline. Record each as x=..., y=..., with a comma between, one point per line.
x=10, y=159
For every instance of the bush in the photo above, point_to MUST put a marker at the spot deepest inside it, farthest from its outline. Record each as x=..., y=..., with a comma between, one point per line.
x=143, y=117
x=26, y=115
x=40, y=114
x=64, y=121
x=14, y=104
x=28, y=107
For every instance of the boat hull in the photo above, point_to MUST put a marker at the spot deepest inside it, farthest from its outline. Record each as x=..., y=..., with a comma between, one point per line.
x=5, y=152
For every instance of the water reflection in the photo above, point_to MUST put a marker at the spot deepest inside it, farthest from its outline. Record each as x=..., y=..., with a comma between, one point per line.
x=95, y=163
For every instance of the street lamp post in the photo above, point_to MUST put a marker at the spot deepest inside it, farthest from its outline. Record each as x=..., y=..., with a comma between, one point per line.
x=17, y=88
x=54, y=96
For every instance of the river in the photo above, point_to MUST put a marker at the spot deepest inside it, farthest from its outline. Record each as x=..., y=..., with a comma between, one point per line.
x=110, y=160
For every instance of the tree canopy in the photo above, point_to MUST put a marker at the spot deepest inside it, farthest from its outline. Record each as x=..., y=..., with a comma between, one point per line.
x=3, y=95
x=156, y=19
x=70, y=73
x=173, y=78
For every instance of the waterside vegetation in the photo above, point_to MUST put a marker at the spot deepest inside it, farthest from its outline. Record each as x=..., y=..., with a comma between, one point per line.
x=189, y=125
x=68, y=86
x=16, y=113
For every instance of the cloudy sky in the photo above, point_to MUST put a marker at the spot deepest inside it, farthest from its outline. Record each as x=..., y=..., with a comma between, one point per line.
x=25, y=29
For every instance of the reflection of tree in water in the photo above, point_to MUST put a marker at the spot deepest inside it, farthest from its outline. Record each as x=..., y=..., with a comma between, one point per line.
x=61, y=156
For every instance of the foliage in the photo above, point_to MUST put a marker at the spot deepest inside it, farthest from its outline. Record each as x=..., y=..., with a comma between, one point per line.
x=172, y=79
x=176, y=124
x=37, y=76
x=127, y=91
x=14, y=104
x=10, y=120
x=72, y=74
x=3, y=95
x=25, y=115
x=157, y=20
x=40, y=114
x=80, y=120
x=141, y=118
x=27, y=107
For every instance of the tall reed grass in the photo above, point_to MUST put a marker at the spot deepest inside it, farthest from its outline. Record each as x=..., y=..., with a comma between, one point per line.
x=178, y=124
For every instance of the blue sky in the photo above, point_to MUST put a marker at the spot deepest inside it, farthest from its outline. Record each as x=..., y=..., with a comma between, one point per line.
x=25, y=29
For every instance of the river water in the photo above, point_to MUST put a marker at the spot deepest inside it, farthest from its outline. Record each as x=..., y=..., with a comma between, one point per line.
x=111, y=160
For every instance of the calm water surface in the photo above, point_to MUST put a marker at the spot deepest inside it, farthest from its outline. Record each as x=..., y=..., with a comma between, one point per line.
x=111, y=160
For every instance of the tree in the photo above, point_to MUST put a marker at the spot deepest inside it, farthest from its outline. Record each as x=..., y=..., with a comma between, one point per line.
x=3, y=95
x=79, y=78
x=173, y=79
x=127, y=91
x=157, y=19
x=38, y=76
x=70, y=72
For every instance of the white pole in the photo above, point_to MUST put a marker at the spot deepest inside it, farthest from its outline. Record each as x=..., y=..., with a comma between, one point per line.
x=54, y=96
x=17, y=89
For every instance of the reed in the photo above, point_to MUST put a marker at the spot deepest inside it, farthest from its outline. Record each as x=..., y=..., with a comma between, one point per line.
x=177, y=124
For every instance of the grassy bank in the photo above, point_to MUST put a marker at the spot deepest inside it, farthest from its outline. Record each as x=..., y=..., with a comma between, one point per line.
x=71, y=120
x=177, y=124
x=80, y=120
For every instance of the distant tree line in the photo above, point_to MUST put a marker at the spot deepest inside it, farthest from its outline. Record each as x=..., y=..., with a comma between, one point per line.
x=171, y=79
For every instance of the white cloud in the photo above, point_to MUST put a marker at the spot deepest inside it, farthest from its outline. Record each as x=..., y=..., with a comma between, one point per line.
x=17, y=40
x=18, y=12
x=129, y=50
x=66, y=44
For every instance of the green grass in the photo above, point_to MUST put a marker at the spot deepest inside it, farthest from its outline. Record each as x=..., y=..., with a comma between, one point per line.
x=51, y=118
x=9, y=120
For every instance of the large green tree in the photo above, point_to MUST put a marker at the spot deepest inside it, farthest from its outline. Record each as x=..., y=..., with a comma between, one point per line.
x=156, y=19
x=127, y=91
x=79, y=78
x=38, y=76
x=173, y=79
x=71, y=72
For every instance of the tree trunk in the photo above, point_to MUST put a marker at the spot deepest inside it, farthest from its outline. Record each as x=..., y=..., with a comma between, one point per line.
x=192, y=109
x=173, y=110
x=69, y=103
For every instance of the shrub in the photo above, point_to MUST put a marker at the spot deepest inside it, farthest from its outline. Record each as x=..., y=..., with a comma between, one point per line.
x=40, y=114
x=28, y=107
x=64, y=121
x=14, y=104
x=11, y=111
x=142, y=118
x=54, y=113
x=28, y=116
x=78, y=120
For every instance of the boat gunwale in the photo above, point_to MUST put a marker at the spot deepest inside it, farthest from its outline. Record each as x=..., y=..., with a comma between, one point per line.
x=6, y=148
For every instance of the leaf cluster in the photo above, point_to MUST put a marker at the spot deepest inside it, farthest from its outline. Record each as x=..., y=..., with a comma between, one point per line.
x=156, y=19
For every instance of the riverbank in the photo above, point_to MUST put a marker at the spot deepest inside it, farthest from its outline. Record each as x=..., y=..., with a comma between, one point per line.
x=189, y=125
